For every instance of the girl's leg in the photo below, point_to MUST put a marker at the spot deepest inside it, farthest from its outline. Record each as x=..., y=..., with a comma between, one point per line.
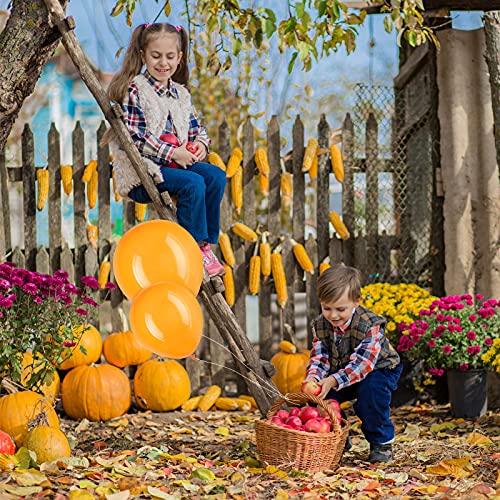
x=215, y=181
x=191, y=206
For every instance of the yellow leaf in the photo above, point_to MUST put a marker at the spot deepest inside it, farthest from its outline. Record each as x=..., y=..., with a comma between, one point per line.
x=498, y=477
x=29, y=478
x=432, y=488
x=442, y=426
x=237, y=477
x=222, y=431
x=80, y=495
x=281, y=495
x=450, y=468
x=475, y=438
x=123, y=422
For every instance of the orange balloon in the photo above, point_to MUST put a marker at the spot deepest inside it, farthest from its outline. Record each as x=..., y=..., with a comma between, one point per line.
x=166, y=318
x=154, y=251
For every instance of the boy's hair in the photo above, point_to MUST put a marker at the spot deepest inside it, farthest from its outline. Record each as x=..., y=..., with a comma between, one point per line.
x=132, y=61
x=334, y=281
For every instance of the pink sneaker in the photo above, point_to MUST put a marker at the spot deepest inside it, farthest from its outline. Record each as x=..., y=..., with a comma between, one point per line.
x=210, y=261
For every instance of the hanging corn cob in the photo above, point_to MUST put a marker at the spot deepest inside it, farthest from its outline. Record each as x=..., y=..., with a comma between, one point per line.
x=92, y=189
x=339, y=226
x=286, y=188
x=254, y=272
x=265, y=255
x=337, y=162
x=302, y=258
x=209, y=398
x=324, y=265
x=243, y=231
x=313, y=171
x=92, y=233
x=288, y=347
x=262, y=162
x=309, y=154
x=216, y=160
x=117, y=196
x=103, y=276
x=279, y=278
x=140, y=211
x=263, y=184
x=89, y=170
x=42, y=178
x=234, y=162
x=67, y=178
x=226, y=249
x=228, y=280
x=237, y=189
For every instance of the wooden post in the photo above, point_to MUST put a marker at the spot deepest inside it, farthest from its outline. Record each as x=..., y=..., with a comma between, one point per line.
x=80, y=221
x=348, y=188
x=29, y=200
x=55, y=233
x=5, y=238
x=323, y=193
x=259, y=383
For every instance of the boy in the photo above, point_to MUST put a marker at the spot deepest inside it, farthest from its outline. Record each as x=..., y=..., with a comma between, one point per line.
x=351, y=358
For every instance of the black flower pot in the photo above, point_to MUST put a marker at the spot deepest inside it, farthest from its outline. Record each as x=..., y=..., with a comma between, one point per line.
x=468, y=392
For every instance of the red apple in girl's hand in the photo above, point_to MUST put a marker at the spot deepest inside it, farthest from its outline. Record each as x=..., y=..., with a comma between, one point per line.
x=310, y=387
x=192, y=148
x=170, y=138
x=294, y=412
x=308, y=412
x=294, y=422
x=283, y=414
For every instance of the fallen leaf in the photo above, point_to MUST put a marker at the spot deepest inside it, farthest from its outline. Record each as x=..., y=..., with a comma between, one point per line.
x=203, y=474
x=157, y=493
x=121, y=422
x=453, y=467
x=475, y=438
x=82, y=426
x=80, y=495
x=222, y=431
x=442, y=426
x=120, y=495
x=281, y=495
x=30, y=477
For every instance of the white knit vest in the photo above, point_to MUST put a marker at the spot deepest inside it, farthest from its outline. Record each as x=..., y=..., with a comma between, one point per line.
x=156, y=110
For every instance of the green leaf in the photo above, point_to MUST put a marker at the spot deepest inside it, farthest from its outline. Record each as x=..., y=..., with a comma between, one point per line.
x=388, y=25
x=203, y=474
x=167, y=8
x=299, y=9
x=118, y=8
x=412, y=38
x=322, y=8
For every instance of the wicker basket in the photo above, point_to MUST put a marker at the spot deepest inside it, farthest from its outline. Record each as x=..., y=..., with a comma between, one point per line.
x=304, y=451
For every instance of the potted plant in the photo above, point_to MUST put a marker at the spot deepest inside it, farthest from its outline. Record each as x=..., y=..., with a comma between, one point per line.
x=39, y=314
x=451, y=337
x=400, y=304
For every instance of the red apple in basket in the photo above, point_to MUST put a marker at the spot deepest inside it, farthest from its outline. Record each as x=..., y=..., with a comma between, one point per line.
x=276, y=421
x=313, y=425
x=283, y=414
x=308, y=412
x=324, y=425
x=294, y=422
x=310, y=387
x=335, y=406
x=294, y=412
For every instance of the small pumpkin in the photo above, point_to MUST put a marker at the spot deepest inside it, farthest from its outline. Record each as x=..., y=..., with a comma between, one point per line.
x=122, y=349
x=161, y=385
x=88, y=337
x=97, y=392
x=291, y=370
x=7, y=444
x=48, y=443
x=20, y=408
x=51, y=383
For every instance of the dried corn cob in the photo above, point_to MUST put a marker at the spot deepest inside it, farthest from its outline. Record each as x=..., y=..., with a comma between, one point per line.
x=191, y=403
x=324, y=265
x=92, y=190
x=216, y=160
x=265, y=255
x=279, y=278
x=263, y=184
x=313, y=171
x=140, y=211
x=262, y=162
x=250, y=399
x=67, y=178
x=302, y=258
x=243, y=231
x=103, y=275
x=228, y=280
x=209, y=398
x=226, y=249
x=237, y=189
x=309, y=154
x=286, y=188
x=339, y=226
x=234, y=162
x=89, y=170
x=288, y=347
x=337, y=162
x=42, y=177
x=117, y=196
x=92, y=233
x=254, y=272
x=243, y=404
x=226, y=404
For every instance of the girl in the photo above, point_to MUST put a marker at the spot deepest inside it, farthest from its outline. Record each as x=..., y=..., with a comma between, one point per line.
x=155, y=103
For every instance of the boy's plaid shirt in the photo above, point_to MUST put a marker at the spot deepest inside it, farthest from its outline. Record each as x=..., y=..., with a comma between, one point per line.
x=146, y=142
x=362, y=360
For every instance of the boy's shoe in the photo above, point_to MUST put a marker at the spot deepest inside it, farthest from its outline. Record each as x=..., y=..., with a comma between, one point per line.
x=210, y=262
x=380, y=453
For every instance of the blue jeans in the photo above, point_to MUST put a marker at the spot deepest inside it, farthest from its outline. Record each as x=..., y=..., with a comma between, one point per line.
x=373, y=405
x=200, y=189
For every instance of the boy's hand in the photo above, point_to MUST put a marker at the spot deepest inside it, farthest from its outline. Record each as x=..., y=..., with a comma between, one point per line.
x=327, y=384
x=183, y=157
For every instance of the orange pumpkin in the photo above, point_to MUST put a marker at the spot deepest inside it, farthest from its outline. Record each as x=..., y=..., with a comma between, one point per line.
x=291, y=370
x=20, y=408
x=51, y=383
x=161, y=385
x=122, y=349
x=97, y=392
x=48, y=443
x=90, y=339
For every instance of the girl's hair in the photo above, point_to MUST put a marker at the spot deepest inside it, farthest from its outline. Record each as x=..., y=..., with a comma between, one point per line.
x=132, y=62
x=334, y=281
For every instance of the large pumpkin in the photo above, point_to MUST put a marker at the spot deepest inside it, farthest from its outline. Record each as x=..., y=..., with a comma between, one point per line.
x=44, y=387
x=48, y=443
x=291, y=370
x=122, y=349
x=97, y=392
x=20, y=408
x=161, y=385
x=90, y=339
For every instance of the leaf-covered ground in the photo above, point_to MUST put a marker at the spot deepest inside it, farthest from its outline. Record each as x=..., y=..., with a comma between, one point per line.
x=212, y=455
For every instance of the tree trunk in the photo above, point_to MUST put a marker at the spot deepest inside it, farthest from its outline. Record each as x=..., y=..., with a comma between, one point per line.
x=26, y=44
x=492, y=32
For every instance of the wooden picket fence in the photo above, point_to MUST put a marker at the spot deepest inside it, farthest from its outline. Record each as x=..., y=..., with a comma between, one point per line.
x=369, y=252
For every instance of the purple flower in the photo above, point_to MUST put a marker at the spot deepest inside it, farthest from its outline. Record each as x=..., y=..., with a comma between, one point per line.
x=61, y=274
x=17, y=281
x=80, y=311
x=466, y=296
x=440, y=372
x=436, y=334
x=471, y=349
x=451, y=327
x=479, y=296
x=90, y=301
x=464, y=367
x=488, y=341
x=90, y=281
x=447, y=349
x=4, y=284
x=448, y=318
x=431, y=343
x=70, y=288
x=67, y=343
x=440, y=317
x=30, y=288
x=112, y=286
x=473, y=317
x=6, y=303
x=456, y=321
x=38, y=300
x=471, y=335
